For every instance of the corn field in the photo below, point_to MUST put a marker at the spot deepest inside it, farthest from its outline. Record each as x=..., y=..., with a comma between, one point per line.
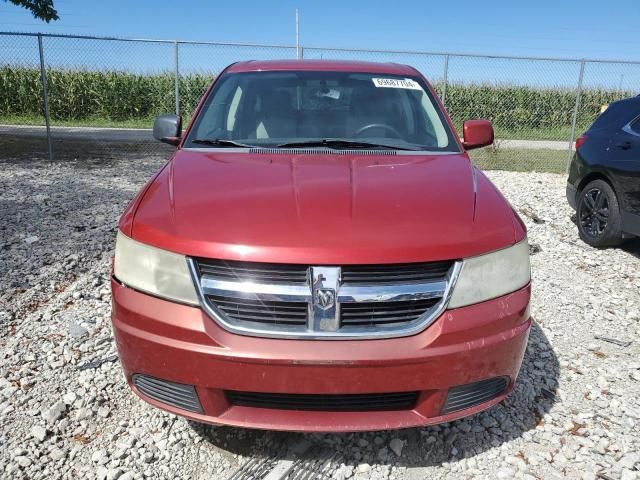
x=111, y=95
x=102, y=94
x=526, y=109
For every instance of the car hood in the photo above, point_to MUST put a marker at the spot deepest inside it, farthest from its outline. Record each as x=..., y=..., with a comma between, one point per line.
x=323, y=208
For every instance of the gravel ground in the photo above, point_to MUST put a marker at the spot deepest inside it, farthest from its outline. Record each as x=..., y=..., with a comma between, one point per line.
x=66, y=412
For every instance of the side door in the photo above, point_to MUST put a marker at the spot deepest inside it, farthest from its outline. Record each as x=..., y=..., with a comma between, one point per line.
x=625, y=167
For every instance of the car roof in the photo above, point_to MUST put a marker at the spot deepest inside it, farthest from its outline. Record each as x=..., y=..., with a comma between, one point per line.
x=618, y=114
x=322, y=65
x=632, y=102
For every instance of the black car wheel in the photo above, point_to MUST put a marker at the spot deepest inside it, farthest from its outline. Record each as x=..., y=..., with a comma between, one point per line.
x=598, y=215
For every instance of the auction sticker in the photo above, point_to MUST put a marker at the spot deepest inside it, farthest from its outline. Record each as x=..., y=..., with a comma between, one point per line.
x=396, y=83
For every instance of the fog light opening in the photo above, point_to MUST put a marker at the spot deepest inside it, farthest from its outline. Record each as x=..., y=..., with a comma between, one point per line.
x=177, y=395
x=472, y=394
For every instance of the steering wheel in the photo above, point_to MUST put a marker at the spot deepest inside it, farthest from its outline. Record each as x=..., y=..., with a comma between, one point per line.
x=388, y=128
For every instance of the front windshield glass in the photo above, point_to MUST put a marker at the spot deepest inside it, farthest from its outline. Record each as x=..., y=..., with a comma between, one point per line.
x=333, y=109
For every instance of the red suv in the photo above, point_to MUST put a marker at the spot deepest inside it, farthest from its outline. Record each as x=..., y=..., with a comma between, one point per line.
x=320, y=254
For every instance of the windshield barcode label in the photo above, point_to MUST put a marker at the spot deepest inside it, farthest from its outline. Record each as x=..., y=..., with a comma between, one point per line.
x=396, y=83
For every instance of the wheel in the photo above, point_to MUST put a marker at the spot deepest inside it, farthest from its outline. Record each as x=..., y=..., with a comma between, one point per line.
x=598, y=215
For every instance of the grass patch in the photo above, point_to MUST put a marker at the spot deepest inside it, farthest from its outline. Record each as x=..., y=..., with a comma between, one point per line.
x=521, y=159
x=559, y=134
x=85, y=122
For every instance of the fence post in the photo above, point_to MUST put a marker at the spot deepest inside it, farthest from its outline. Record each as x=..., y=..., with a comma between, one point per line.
x=446, y=80
x=45, y=96
x=575, y=113
x=298, y=50
x=177, y=77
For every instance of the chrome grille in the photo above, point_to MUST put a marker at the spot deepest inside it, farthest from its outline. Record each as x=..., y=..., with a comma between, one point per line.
x=250, y=271
x=404, y=273
x=383, y=313
x=328, y=302
x=262, y=311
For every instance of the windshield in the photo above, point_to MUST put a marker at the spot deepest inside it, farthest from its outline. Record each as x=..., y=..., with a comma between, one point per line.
x=333, y=109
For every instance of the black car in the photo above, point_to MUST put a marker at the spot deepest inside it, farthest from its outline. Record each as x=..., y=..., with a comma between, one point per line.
x=604, y=176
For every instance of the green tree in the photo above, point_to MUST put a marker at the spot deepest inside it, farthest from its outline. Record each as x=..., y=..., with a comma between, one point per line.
x=42, y=9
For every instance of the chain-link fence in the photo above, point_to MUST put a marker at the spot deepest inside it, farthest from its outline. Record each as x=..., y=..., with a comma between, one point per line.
x=67, y=96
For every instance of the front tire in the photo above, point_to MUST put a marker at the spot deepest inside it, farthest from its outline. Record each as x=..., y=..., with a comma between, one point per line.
x=598, y=215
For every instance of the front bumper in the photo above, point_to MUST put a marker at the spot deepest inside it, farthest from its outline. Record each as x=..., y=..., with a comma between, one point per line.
x=182, y=344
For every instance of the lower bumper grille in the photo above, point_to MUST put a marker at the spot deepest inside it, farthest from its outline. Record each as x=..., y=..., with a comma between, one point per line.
x=326, y=403
x=175, y=394
x=467, y=396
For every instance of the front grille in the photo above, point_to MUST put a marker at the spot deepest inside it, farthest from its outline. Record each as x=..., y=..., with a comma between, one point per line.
x=467, y=396
x=262, y=311
x=394, y=273
x=352, y=301
x=383, y=313
x=253, y=272
x=175, y=394
x=325, y=403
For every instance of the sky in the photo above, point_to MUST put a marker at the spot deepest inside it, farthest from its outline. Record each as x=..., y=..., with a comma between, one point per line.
x=541, y=28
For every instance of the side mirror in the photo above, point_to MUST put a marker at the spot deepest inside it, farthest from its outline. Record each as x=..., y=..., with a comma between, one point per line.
x=477, y=133
x=168, y=129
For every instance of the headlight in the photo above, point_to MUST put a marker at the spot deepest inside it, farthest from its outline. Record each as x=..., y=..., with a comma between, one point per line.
x=152, y=270
x=492, y=275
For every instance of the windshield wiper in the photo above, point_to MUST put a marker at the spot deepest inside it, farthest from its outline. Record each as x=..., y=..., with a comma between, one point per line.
x=338, y=144
x=217, y=142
